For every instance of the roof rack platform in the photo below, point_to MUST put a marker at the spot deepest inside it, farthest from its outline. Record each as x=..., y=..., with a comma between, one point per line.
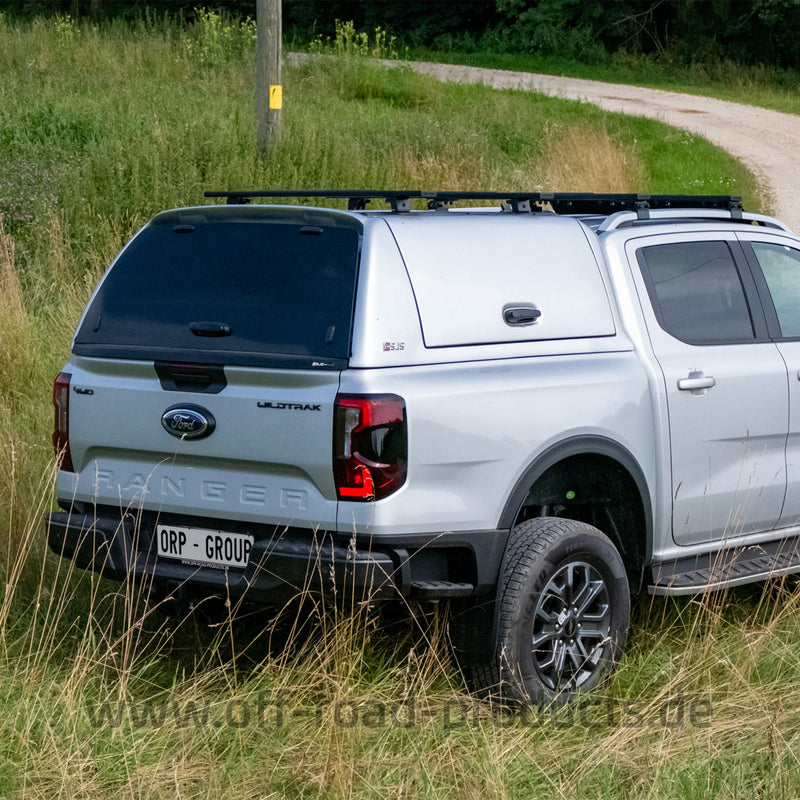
x=520, y=202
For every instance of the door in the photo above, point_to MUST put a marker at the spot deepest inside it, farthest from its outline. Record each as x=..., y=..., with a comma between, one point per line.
x=776, y=268
x=725, y=385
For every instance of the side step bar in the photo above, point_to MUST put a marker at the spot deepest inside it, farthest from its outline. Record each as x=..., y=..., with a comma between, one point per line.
x=719, y=570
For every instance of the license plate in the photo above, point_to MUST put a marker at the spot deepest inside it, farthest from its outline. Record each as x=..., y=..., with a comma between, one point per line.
x=200, y=547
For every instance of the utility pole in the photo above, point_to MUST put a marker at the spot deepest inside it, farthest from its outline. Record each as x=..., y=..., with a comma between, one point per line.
x=269, y=91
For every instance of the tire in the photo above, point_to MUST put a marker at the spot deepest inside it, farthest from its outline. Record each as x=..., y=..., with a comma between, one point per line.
x=563, y=609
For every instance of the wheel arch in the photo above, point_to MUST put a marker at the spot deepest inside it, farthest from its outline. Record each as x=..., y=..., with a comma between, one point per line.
x=571, y=451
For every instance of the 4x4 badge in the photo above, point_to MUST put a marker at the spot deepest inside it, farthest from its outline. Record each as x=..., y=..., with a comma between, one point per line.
x=188, y=421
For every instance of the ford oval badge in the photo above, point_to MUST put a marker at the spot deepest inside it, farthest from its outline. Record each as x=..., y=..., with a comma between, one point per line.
x=188, y=421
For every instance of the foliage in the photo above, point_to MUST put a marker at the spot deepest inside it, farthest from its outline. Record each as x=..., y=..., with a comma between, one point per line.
x=683, y=31
x=567, y=27
x=418, y=22
x=66, y=27
x=591, y=31
x=216, y=39
x=348, y=41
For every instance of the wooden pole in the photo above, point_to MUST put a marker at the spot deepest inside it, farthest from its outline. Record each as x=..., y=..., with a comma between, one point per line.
x=269, y=91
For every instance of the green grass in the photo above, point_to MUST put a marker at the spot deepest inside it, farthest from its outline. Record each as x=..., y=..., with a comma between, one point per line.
x=100, y=129
x=757, y=86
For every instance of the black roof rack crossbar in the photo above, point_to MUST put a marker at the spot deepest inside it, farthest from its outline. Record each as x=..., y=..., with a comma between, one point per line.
x=560, y=202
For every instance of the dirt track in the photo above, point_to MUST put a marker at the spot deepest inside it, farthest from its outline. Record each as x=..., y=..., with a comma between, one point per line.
x=768, y=142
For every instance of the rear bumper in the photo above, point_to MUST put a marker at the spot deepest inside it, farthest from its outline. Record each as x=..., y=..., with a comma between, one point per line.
x=289, y=561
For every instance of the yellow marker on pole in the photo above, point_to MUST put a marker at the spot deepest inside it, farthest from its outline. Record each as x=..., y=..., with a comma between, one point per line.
x=275, y=97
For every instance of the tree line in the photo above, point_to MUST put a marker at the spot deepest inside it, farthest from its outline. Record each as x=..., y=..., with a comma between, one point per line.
x=684, y=31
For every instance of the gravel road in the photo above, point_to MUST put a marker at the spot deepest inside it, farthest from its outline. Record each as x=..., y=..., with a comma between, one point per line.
x=768, y=142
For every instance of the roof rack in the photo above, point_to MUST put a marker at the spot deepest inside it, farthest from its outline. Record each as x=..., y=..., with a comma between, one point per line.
x=519, y=202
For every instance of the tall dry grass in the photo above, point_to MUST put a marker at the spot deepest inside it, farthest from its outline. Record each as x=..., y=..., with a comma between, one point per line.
x=588, y=159
x=352, y=707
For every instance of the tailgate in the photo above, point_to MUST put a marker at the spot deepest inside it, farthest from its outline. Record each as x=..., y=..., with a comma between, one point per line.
x=267, y=459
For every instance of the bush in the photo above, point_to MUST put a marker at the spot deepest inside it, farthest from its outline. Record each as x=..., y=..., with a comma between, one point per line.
x=216, y=39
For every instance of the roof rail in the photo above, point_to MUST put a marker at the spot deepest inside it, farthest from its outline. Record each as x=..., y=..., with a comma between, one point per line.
x=625, y=218
x=518, y=202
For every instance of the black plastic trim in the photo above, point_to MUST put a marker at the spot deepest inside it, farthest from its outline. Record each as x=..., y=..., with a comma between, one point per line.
x=576, y=446
x=200, y=378
x=486, y=546
x=730, y=566
x=286, y=564
x=233, y=358
x=283, y=559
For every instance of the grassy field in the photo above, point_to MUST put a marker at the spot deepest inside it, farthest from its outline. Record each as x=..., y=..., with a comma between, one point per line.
x=100, y=695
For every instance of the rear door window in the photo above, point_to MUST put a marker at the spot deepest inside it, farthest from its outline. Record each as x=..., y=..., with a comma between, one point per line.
x=696, y=292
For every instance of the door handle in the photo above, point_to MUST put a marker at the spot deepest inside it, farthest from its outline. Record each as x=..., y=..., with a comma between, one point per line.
x=521, y=314
x=210, y=328
x=696, y=383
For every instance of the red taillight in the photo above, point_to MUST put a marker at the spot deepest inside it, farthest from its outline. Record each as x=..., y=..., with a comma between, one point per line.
x=61, y=427
x=370, y=446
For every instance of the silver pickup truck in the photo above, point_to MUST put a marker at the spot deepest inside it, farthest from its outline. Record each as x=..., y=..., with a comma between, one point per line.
x=531, y=410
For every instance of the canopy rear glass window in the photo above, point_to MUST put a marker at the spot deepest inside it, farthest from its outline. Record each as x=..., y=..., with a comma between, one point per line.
x=232, y=288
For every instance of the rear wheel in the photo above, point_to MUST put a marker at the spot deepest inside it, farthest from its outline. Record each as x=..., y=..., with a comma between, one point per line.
x=563, y=613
